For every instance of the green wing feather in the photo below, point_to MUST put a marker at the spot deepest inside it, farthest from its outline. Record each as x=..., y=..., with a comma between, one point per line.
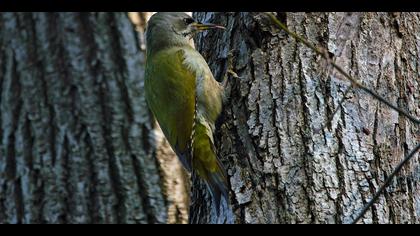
x=170, y=89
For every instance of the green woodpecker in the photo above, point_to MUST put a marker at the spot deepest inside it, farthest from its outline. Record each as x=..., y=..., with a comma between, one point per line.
x=184, y=96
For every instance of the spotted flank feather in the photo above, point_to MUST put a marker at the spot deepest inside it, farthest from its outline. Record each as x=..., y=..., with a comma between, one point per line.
x=193, y=126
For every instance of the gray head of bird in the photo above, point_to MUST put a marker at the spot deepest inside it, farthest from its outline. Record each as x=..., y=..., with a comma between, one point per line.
x=168, y=29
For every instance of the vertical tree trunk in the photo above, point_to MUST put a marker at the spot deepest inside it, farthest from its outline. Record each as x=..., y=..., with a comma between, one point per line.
x=77, y=144
x=283, y=166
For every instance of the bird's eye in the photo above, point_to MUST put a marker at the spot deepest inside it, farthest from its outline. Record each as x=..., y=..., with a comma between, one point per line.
x=188, y=21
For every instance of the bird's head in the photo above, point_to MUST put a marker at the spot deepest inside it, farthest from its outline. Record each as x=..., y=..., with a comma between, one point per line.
x=166, y=29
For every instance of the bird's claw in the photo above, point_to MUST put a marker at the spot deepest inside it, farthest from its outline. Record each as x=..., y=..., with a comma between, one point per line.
x=230, y=71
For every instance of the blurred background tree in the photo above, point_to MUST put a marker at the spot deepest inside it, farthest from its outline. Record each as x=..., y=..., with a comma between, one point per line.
x=78, y=144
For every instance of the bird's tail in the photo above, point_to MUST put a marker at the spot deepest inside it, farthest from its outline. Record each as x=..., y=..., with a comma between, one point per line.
x=207, y=164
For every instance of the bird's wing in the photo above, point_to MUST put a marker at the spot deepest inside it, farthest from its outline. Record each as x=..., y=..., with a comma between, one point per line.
x=171, y=97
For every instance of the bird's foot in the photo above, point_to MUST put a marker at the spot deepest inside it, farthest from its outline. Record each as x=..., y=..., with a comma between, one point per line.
x=230, y=69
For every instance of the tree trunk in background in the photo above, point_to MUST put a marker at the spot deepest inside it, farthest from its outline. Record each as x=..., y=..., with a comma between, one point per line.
x=77, y=142
x=282, y=167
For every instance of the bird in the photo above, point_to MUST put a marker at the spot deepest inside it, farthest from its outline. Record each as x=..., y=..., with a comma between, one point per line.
x=184, y=97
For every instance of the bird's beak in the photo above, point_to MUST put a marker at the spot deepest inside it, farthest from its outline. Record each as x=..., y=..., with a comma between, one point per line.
x=206, y=26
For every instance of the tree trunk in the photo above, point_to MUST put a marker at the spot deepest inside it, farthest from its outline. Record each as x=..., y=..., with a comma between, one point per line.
x=78, y=144
x=283, y=165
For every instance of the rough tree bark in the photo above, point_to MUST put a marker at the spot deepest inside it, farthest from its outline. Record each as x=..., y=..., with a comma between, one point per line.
x=77, y=144
x=282, y=167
